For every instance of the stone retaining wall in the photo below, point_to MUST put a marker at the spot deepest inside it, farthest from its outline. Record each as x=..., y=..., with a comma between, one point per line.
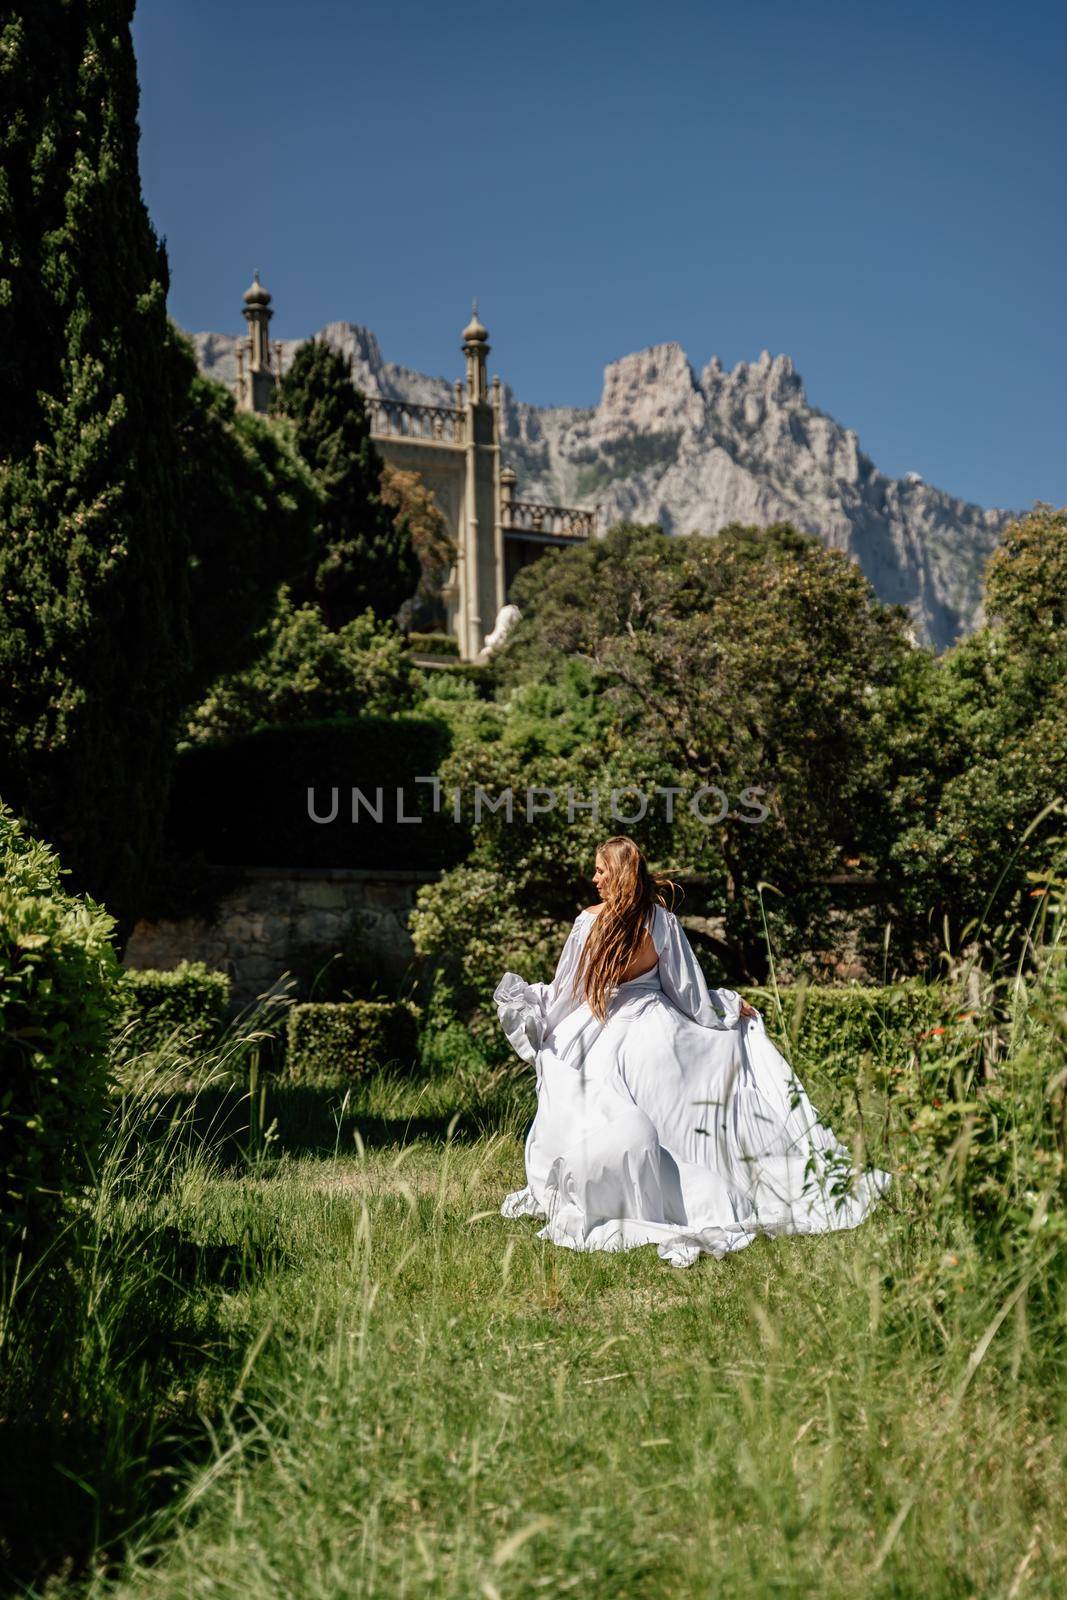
x=274, y=912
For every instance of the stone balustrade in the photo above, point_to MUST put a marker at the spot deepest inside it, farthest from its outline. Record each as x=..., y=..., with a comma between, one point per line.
x=402, y=419
x=555, y=522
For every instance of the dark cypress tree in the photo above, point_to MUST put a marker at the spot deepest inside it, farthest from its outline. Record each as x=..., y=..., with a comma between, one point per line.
x=101, y=444
x=364, y=555
x=93, y=565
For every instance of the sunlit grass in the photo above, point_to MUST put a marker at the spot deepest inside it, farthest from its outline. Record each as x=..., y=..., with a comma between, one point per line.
x=444, y=1405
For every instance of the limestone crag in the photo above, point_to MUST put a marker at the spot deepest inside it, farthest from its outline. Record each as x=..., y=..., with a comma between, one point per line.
x=696, y=453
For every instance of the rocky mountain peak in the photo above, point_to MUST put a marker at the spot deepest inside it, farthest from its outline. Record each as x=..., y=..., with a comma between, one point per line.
x=651, y=391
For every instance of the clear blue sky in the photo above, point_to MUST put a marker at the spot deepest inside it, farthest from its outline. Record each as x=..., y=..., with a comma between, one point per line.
x=876, y=189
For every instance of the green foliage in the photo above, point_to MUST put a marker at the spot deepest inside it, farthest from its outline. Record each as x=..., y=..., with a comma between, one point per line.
x=454, y=679
x=363, y=554
x=317, y=1290
x=119, y=1352
x=93, y=558
x=59, y=980
x=143, y=528
x=972, y=751
x=976, y=1121
x=561, y=715
x=244, y=801
x=249, y=505
x=470, y=927
x=433, y=644
x=338, y=1042
x=305, y=671
x=748, y=663
x=838, y=1038
x=188, y=1004
x=1026, y=591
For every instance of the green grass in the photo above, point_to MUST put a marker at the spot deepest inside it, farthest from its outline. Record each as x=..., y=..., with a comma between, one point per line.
x=309, y=1358
x=438, y=1403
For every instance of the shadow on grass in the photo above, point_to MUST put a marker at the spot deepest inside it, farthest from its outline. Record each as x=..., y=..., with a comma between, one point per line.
x=126, y=1369
x=297, y=1119
x=119, y=1366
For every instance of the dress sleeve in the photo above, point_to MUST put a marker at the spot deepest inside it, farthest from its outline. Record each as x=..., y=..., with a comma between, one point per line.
x=682, y=980
x=528, y=1010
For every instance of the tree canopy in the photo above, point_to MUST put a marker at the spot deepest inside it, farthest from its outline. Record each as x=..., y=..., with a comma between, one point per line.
x=363, y=553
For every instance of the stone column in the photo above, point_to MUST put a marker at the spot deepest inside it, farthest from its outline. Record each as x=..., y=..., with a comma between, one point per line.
x=477, y=573
x=498, y=519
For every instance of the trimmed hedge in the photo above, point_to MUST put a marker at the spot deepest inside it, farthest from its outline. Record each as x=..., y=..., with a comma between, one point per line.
x=837, y=1027
x=59, y=999
x=335, y=1043
x=190, y=1001
x=433, y=644
x=244, y=802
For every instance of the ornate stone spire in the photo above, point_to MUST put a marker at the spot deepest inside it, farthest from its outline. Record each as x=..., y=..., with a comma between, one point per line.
x=476, y=349
x=258, y=384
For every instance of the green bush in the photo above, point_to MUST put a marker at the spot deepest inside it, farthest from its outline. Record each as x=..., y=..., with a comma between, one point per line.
x=59, y=982
x=244, y=802
x=830, y=1030
x=433, y=644
x=469, y=929
x=334, y=1043
x=450, y=671
x=190, y=1002
x=305, y=670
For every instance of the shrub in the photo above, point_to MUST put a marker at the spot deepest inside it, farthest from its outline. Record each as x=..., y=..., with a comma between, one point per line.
x=441, y=679
x=304, y=670
x=434, y=644
x=469, y=929
x=190, y=1002
x=244, y=802
x=59, y=981
x=830, y=1030
x=334, y=1043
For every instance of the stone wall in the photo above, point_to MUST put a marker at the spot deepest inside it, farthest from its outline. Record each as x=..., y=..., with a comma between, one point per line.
x=275, y=912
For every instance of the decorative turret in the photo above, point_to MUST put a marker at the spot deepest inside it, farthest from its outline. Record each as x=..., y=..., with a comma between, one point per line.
x=476, y=349
x=255, y=387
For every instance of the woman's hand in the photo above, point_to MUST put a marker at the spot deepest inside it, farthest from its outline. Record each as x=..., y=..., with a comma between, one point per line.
x=747, y=1010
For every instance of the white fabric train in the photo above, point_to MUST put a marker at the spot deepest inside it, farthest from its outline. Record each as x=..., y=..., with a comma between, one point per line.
x=675, y=1122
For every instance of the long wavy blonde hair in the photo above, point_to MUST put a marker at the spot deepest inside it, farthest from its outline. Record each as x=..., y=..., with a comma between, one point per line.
x=629, y=895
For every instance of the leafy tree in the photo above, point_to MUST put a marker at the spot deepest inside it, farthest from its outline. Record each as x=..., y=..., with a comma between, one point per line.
x=363, y=555
x=749, y=663
x=409, y=498
x=248, y=510
x=304, y=670
x=1026, y=597
x=974, y=750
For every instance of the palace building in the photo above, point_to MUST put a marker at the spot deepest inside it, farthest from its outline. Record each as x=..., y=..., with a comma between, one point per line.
x=458, y=451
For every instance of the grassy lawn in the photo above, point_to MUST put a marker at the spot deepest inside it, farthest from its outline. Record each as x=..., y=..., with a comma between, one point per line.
x=424, y=1399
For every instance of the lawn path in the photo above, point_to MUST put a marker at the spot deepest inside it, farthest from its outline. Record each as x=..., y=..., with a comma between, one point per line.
x=439, y=1404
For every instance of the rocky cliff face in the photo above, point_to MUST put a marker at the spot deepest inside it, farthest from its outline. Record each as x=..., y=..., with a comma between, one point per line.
x=695, y=453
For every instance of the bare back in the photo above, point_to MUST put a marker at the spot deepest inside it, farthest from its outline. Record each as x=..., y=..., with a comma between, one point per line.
x=645, y=957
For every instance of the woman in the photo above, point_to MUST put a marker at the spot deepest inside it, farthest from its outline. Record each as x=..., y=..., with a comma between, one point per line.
x=664, y=1113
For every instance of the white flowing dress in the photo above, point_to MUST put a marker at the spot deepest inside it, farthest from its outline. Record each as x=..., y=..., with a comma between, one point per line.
x=674, y=1122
